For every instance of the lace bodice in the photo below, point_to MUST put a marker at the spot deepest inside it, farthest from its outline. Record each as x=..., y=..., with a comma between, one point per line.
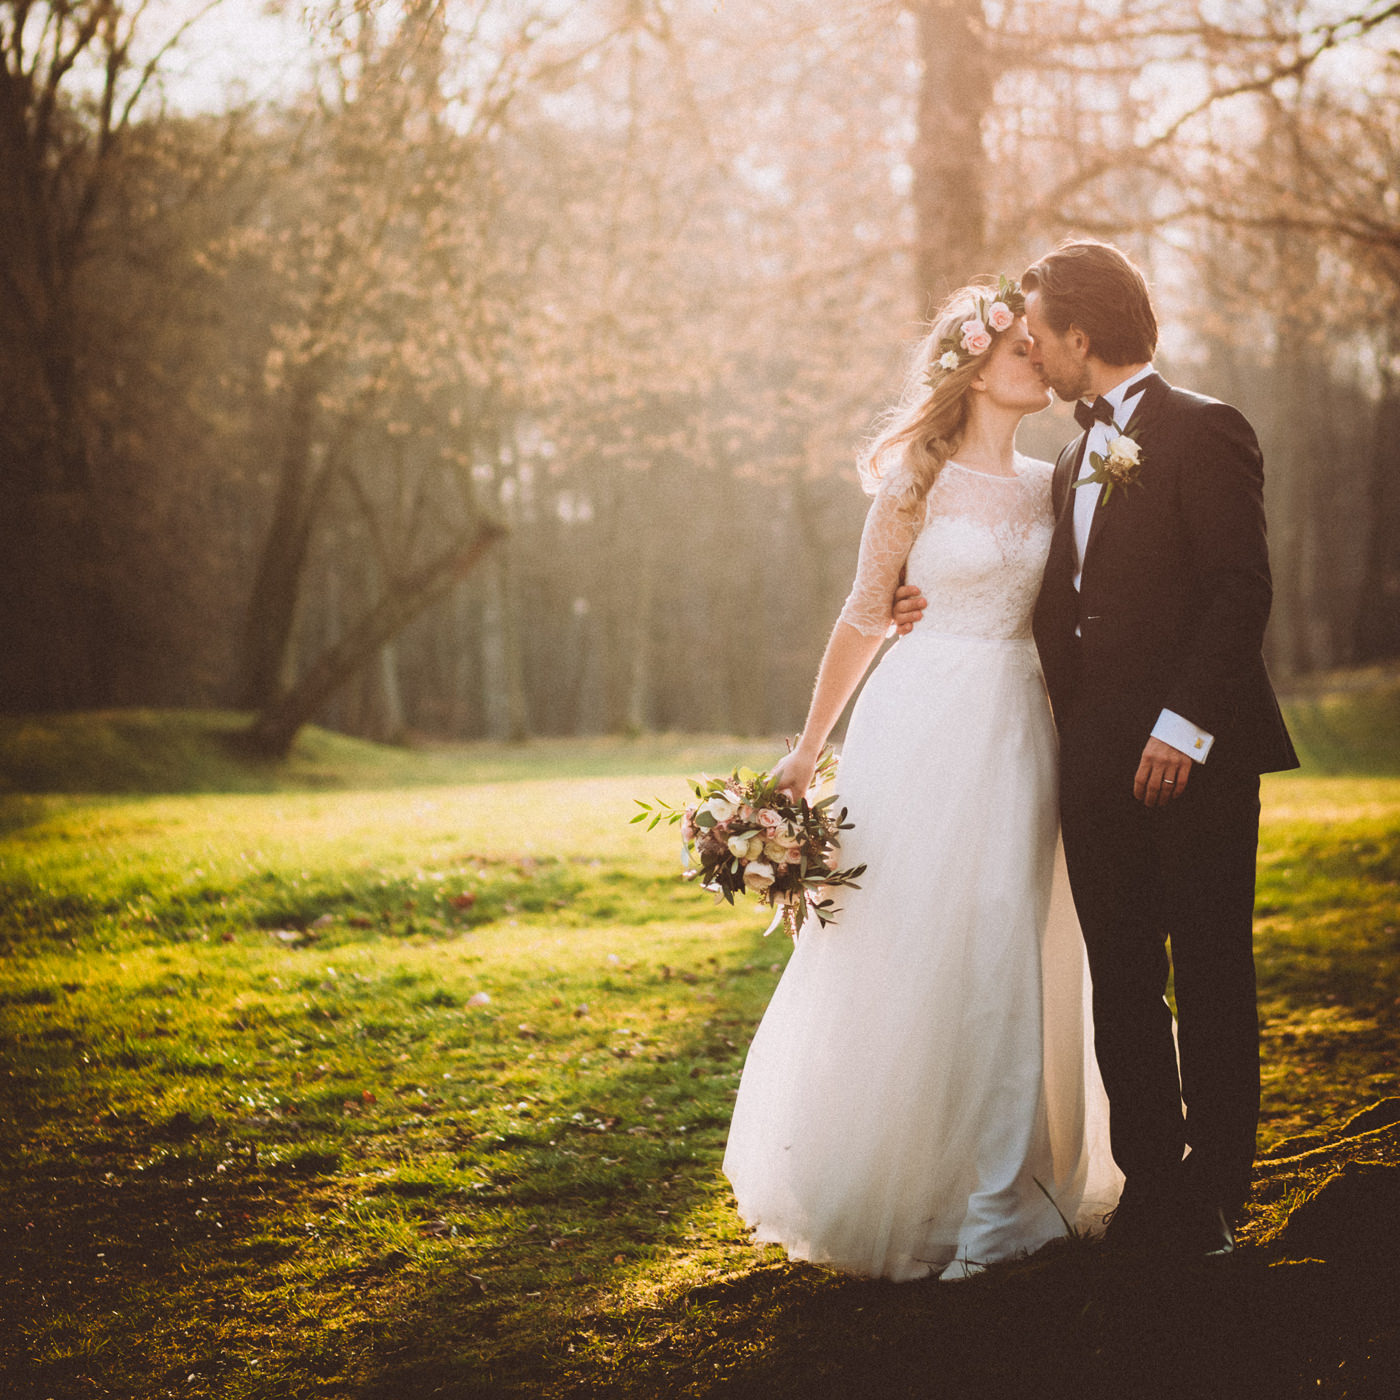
x=976, y=550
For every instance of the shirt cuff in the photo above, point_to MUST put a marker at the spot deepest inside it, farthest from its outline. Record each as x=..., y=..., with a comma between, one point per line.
x=1181, y=734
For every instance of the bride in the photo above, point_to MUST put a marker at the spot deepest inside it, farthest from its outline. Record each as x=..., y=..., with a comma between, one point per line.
x=921, y=1095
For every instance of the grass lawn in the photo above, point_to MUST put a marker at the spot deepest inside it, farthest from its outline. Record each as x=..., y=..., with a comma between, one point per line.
x=419, y=1090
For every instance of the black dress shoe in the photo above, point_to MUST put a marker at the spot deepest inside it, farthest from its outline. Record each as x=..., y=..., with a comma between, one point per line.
x=1140, y=1223
x=1212, y=1234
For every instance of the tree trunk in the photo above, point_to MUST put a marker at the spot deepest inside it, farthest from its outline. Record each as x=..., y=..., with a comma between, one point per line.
x=275, y=728
x=507, y=714
x=52, y=600
x=464, y=702
x=1377, y=632
x=392, y=724
x=60, y=621
x=948, y=160
x=1295, y=465
x=638, y=703
x=272, y=605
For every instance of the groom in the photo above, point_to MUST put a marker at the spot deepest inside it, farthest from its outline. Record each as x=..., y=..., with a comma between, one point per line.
x=1149, y=625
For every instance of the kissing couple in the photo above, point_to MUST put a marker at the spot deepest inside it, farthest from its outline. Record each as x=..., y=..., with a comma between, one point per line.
x=981, y=1051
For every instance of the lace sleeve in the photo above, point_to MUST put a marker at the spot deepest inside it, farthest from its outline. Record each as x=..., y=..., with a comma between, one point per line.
x=891, y=526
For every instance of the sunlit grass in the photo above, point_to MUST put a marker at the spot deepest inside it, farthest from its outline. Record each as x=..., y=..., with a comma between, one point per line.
x=306, y=1058
x=400, y=1091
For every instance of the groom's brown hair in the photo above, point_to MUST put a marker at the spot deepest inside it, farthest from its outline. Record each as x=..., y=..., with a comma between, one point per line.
x=1098, y=288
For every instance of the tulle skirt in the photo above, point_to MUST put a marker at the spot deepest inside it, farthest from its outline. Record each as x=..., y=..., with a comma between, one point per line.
x=922, y=1086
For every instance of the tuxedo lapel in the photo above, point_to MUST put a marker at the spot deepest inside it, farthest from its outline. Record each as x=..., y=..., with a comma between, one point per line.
x=1148, y=406
x=1138, y=426
x=1061, y=558
x=1057, y=605
x=1066, y=469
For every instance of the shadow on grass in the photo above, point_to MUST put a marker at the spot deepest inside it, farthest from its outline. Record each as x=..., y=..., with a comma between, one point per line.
x=95, y=1249
x=1071, y=1322
x=521, y=1320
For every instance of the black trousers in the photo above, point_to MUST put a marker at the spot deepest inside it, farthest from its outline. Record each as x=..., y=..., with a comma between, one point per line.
x=1179, y=876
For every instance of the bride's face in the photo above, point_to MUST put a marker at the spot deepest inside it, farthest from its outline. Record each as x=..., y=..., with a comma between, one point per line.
x=1011, y=378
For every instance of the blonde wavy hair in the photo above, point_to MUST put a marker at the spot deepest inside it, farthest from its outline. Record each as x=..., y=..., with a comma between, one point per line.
x=925, y=426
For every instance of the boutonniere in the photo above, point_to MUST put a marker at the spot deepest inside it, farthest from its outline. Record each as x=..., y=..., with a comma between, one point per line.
x=1119, y=468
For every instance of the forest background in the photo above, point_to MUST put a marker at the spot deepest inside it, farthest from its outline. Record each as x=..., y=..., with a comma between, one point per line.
x=496, y=368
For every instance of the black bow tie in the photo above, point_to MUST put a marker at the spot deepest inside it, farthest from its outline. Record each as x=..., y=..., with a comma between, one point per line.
x=1087, y=414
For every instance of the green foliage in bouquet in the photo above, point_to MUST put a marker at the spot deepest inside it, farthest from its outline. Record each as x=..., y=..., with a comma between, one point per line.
x=743, y=836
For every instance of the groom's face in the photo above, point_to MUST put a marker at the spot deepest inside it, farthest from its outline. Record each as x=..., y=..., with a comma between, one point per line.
x=1061, y=357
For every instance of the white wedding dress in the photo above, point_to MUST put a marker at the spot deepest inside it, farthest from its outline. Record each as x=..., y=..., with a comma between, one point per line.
x=922, y=1089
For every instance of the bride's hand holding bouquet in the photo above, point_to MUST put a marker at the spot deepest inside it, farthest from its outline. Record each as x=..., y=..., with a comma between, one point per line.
x=795, y=772
x=747, y=833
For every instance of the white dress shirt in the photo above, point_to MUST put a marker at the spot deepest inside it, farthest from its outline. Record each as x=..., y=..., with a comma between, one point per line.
x=1171, y=728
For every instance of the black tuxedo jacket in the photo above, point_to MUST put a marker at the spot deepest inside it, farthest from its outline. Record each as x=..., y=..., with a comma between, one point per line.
x=1175, y=594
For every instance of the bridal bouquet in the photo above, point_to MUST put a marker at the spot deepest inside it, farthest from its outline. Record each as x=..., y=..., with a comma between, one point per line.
x=742, y=835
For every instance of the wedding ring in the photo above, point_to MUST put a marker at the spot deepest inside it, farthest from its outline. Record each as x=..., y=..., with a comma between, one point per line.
x=1168, y=782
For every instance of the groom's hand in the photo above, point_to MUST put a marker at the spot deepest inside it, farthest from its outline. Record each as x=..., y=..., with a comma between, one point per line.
x=1162, y=774
x=909, y=605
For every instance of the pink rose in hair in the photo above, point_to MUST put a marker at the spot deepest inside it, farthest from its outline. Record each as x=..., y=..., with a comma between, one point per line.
x=999, y=318
x=975, y=337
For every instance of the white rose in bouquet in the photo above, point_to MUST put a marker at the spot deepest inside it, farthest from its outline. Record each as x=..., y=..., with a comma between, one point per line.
x=722, y=806
x=758, y=876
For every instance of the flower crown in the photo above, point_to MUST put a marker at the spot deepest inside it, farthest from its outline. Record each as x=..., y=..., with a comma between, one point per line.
x=991, y=315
